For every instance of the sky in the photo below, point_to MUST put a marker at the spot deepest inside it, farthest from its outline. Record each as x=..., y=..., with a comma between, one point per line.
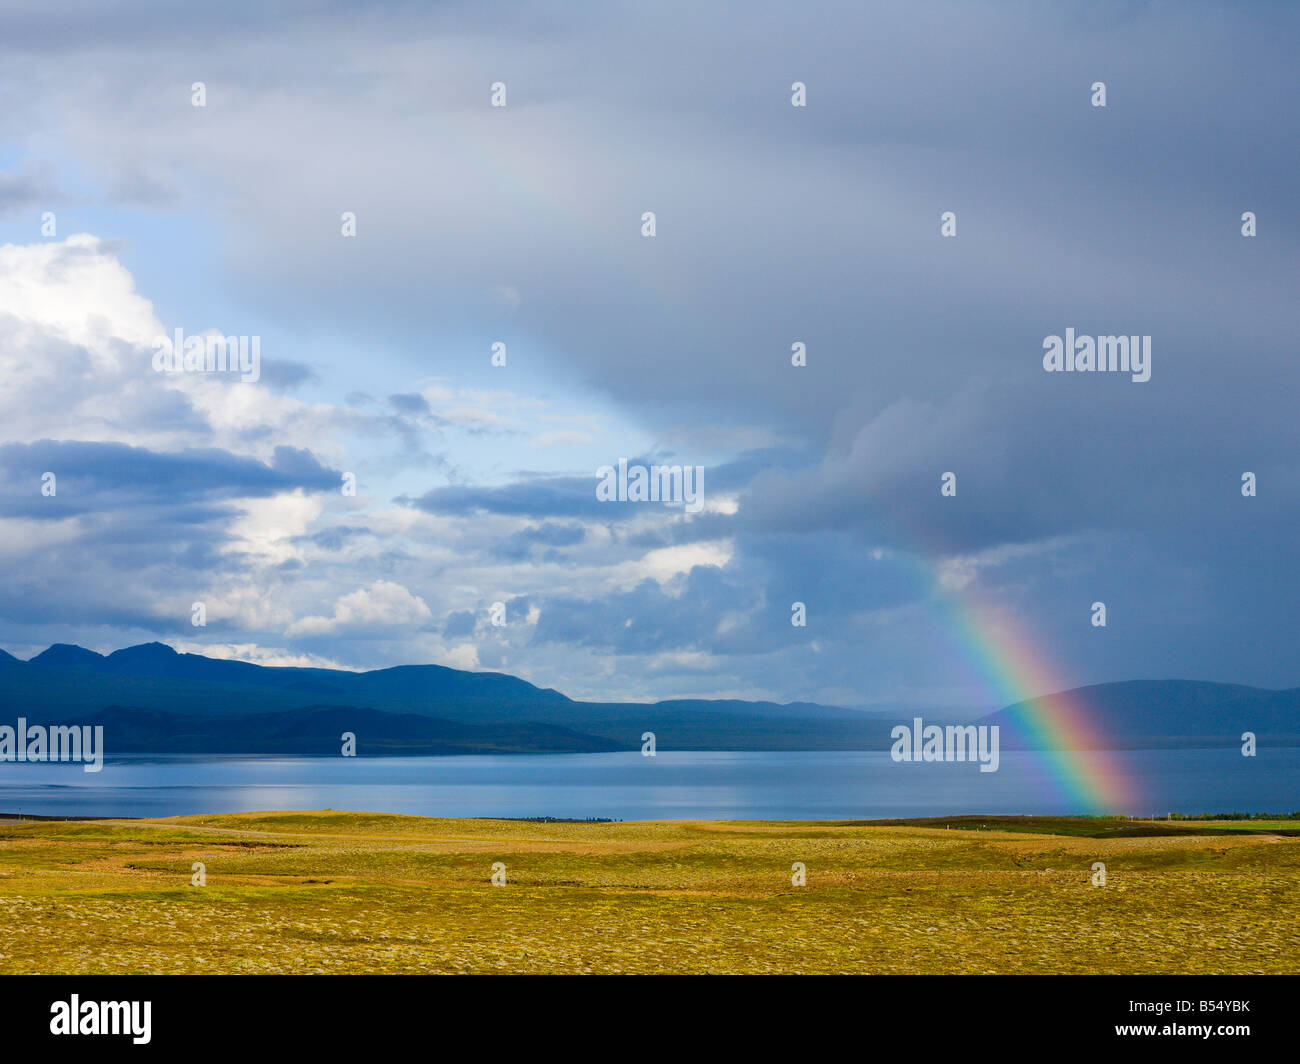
x=775, y=225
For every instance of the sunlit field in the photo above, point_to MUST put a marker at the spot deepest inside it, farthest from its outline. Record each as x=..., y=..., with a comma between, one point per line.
x=354, y=892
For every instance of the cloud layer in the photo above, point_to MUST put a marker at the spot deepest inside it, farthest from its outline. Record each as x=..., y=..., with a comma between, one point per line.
x=776, y=225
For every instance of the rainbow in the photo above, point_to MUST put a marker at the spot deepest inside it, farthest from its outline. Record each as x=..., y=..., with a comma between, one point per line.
x=1014, y=669
x=1018, y=672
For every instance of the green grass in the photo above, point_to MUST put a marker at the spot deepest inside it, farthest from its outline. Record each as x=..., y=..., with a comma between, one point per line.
x=364, y=892
x=1102, y=827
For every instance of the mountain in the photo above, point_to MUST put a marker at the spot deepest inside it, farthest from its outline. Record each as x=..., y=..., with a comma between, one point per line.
x=67, y=682
x=317, y=731
x=1167, y=714
x=155, y=677
x=68, y=656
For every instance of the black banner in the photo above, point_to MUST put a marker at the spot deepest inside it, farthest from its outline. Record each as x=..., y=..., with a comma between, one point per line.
x=1047, y=1016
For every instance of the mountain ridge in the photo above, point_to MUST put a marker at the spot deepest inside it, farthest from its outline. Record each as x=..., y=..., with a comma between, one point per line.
x=67, y=682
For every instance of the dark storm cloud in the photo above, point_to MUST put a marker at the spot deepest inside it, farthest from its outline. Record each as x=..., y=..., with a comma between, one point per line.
x=285, y=374
x=776, y=225
x=538, y=497
x=409, y=404
x=32, y=186
x=646, y=620
x=523, y=544
x=459, y=624
x=542, y=495
x=92, y=476
x=338, y=536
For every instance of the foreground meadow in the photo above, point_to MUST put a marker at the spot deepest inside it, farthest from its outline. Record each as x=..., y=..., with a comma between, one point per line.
x=355, y=892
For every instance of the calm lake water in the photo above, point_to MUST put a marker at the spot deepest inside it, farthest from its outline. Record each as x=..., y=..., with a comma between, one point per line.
x=627, y=786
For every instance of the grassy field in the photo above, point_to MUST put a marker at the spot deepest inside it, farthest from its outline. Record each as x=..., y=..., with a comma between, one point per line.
x=356, y=892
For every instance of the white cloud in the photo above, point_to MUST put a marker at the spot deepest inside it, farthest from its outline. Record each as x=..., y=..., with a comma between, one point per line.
x=548, y=440
x=381, y=605
x=464, y=656
x=260, y=655
x=269, y=526
x=250, y=607
x=664, y=564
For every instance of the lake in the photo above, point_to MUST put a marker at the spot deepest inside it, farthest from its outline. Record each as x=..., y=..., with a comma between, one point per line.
x=627, y=786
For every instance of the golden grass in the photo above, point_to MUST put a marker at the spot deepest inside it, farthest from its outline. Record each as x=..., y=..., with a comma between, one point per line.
x=350, y=892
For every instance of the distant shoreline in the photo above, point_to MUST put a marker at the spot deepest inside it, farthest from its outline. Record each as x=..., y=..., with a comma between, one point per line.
x=962, y=821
